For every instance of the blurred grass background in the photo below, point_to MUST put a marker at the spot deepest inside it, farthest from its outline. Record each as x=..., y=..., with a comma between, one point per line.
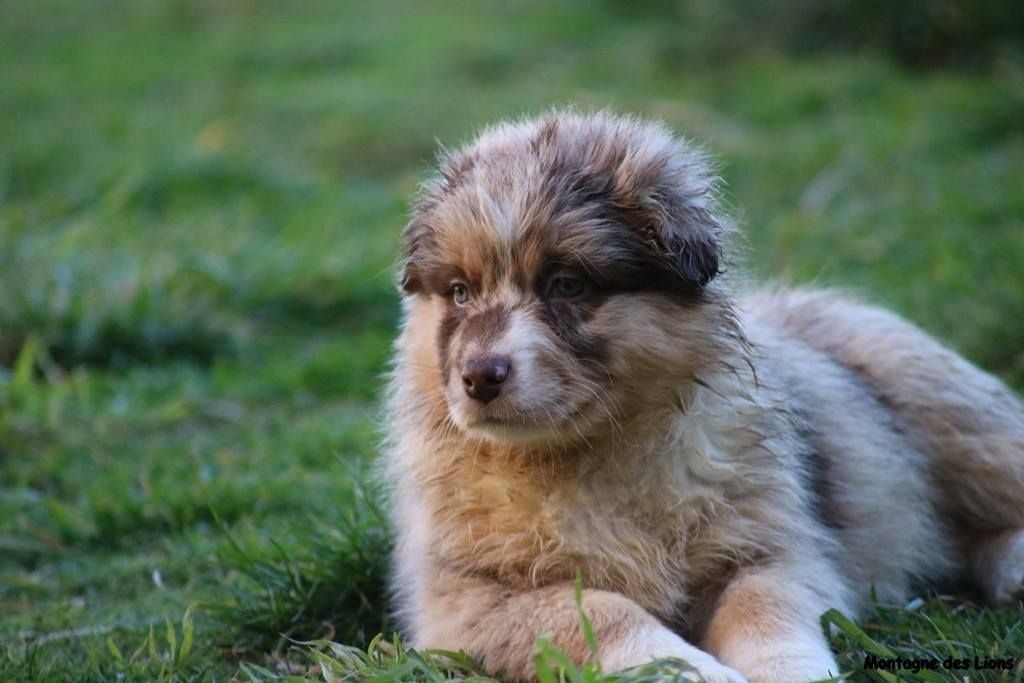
x=199, y=206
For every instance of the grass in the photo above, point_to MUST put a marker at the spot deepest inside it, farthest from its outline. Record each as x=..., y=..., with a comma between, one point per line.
x=199, y=205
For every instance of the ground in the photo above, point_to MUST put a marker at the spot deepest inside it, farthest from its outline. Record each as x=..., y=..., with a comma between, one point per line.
x=199, y=205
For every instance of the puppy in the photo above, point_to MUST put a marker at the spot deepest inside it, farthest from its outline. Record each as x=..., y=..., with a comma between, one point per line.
x=578, y=386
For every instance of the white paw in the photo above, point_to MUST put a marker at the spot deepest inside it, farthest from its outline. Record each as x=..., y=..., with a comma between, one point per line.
x=799, y=668
x=1009, y=583
x=799, y=659
x=660, y=643
x=714, y=672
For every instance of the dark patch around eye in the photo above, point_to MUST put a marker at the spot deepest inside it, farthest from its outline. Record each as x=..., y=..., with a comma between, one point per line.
x=566, y=320
x=619, y=265
x=567, y=287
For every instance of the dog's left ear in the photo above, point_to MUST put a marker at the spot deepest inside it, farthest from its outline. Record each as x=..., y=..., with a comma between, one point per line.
x=672, y=193
x=689, y=237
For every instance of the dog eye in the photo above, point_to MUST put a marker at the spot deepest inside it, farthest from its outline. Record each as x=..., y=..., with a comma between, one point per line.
x=564, y=287
x=460, y=293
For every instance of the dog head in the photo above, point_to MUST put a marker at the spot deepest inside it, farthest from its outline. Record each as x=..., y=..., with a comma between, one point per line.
x=559, y=274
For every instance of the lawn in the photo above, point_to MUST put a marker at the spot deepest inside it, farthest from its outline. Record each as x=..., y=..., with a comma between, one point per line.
x=199, y=210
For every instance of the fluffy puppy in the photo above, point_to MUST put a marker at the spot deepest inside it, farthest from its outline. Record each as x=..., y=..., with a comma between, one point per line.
x=577, y=386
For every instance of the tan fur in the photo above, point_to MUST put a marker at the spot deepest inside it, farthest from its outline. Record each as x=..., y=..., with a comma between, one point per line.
x=763, y=624
x=721, y=468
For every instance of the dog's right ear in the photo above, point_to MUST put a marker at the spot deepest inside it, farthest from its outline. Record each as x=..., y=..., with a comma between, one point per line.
x=409, y=282
x=413, y=236
x=453, y=168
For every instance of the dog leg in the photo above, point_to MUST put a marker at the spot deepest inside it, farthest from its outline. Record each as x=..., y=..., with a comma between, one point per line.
x=766, y=626
x=997, y=565
x=499, y=627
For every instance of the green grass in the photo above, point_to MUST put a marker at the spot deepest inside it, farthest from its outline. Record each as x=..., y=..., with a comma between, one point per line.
x=199, y=206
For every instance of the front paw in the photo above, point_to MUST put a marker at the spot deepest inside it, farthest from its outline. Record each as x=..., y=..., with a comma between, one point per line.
x=713, y=672
x=660, y=643
x=791, y=668
x=1007, y=584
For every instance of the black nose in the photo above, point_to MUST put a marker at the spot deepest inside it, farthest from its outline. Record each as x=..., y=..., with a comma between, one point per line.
x=483, y=377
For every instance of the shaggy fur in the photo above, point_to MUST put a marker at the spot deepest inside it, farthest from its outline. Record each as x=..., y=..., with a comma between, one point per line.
x=721, y=468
